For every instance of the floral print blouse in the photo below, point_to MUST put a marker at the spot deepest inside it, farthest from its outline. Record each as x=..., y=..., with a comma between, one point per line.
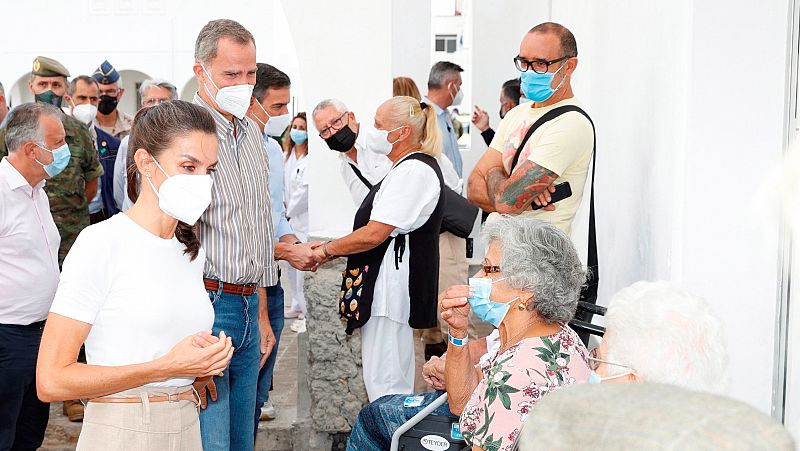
x=514, y=380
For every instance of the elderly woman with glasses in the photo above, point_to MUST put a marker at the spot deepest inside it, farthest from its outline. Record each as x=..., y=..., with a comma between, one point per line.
x=656, y=332
x=528, y=290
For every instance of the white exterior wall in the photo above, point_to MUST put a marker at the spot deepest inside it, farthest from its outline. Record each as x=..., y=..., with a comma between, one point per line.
x=683, y=134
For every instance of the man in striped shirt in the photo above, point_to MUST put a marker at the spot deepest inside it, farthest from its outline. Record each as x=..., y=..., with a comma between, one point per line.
x=236, y=231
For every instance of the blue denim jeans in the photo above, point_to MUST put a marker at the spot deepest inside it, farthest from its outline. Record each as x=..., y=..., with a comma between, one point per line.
x=226, y=424
x=275, y=311
x=378, y=420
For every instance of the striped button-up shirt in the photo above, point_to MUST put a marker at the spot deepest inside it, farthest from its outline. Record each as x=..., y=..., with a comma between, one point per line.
x=236, y=230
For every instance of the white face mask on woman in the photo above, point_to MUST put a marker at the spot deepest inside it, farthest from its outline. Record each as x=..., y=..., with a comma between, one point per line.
x=378, y=140
x=232, y=99
x=184, y=197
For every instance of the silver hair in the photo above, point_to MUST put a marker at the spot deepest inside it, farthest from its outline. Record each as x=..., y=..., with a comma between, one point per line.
x=441, y=73
x=158, y=83
x=336, y=104
x=205, y=47
x=24, y=124
x=538, y=257
x=667, y=335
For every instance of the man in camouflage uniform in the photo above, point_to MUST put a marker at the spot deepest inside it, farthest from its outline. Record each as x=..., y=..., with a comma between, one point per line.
x=68, y=192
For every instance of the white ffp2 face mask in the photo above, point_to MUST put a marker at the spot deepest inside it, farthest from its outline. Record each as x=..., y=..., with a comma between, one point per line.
x=458, y=98
x=85, y=113
x=275, y=125
x=184, y=197
x=378, y=140
x=232, y=99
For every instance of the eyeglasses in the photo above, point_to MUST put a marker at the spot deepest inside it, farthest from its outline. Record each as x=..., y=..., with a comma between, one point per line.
x=335, y=126
x=110, y=92
x=537, y=66
x=594, y=362
x=153, y=101
x=490, y=269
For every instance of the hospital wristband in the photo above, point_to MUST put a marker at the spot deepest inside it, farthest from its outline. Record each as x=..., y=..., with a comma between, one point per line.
x=457, y=341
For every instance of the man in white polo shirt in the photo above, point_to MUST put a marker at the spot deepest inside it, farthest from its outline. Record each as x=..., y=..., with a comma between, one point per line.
x=29, y=273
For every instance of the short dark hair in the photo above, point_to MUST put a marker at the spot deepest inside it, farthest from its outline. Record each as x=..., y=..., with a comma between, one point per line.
x=568, y=45
x=269, y=77
x=442, y=71
x=511, y=90
x=84, y=78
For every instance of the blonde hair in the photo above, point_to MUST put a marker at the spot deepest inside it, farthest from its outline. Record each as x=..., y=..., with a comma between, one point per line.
x=404, y=110
x=404, y=86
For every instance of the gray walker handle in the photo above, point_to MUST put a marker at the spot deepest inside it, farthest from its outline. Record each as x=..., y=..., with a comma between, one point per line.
x=416, y=419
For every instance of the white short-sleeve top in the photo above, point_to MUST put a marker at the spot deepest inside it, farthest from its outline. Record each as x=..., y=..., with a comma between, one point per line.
x=141, y=293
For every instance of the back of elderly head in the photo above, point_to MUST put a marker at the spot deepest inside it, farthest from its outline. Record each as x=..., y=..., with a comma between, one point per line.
x=666, y=335
x=538, y=258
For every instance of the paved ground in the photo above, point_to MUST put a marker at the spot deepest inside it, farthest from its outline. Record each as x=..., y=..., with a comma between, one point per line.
x=276, y=435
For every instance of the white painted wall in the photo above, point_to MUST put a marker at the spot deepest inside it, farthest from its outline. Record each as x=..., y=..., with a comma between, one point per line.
x=355, y=66
x=682, y=138
x=411, y=38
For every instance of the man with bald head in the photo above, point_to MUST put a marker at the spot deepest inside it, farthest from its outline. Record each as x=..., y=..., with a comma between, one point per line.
x=507, y=178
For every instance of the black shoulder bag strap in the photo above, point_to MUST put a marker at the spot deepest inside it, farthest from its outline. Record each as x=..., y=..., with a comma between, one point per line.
x=589, y=291
x=360, y=176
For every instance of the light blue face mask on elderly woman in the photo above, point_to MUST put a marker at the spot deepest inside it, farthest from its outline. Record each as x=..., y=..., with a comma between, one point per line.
x=484, y=308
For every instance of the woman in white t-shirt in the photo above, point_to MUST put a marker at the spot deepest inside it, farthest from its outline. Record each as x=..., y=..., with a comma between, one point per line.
x=295, y=146
x=389, y=285
x=132, y=289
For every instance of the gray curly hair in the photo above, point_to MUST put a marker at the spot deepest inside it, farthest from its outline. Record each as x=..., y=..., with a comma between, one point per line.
x=538, y=257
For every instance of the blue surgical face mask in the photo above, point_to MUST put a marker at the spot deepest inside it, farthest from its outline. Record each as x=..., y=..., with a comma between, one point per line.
x=537, y=86
x=484, y=308
x=61, y=158
x=298, y=136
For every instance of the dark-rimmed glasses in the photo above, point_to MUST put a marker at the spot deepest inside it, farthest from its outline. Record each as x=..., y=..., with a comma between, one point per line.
x=335, y=126
x=537, y=66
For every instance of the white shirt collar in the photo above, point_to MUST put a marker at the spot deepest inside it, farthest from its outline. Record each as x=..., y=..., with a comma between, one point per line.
x=14, y=178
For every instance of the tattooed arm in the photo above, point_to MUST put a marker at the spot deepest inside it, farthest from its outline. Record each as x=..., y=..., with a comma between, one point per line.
x=477, y=193
x=513, y=194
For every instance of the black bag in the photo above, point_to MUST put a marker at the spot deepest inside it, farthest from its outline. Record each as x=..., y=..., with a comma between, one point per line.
x=459, y=214
x=589, y=291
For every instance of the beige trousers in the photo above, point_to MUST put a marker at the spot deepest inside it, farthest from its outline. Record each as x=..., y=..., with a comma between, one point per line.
x=146, y=426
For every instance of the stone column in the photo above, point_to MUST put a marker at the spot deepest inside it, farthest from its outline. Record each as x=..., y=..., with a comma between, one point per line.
x=335, y=380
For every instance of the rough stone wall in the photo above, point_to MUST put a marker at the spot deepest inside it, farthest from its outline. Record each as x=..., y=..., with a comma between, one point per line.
x=335, y=378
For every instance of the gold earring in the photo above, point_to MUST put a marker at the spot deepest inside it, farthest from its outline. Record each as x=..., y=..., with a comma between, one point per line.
x=522, y=306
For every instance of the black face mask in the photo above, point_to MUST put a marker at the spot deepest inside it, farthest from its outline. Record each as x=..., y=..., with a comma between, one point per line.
x=107, y=104
x=502, y=113
x=343, y=140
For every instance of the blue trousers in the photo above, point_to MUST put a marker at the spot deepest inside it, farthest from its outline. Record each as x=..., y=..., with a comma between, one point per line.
x=23, y=418
x=275, y=310
x=227, y=423
x=378, y=420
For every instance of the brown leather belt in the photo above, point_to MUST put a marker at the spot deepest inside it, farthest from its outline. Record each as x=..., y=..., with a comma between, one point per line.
x=230, y=288
x=188, y=395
